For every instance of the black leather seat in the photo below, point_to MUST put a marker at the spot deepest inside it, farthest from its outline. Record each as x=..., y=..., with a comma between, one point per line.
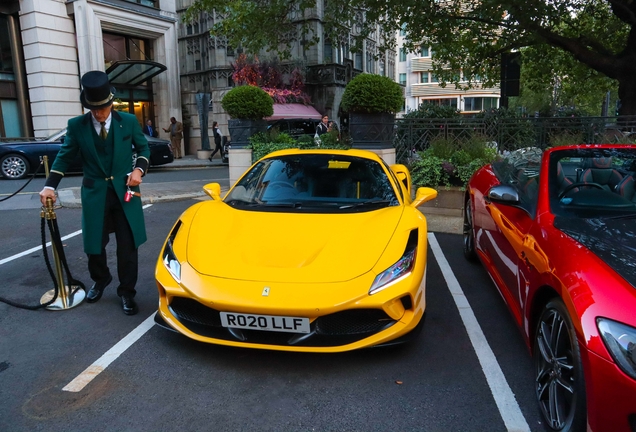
x=627, y=188
x=600, y=171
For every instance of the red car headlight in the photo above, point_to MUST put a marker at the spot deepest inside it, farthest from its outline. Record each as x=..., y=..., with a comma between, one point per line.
x=620, y=340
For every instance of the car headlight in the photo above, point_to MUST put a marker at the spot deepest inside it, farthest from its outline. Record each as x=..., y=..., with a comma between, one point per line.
x=620, y=340
x=398, y=271
x=169, y=258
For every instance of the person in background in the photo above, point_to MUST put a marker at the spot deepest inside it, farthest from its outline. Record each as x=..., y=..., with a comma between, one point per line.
x=217, y=140
x=176, y=134
x=323, y=126
x=149, y=130
x=105, y=139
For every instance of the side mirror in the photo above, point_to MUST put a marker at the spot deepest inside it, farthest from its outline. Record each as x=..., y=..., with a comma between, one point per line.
x=403, y=175
x=503, y=194
x=423, y=195
x=213, y=190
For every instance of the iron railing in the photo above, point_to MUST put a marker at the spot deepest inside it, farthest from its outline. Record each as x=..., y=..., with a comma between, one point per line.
x=506, y=134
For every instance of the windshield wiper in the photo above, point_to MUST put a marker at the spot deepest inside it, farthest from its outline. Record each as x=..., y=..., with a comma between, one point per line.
x=366, y=203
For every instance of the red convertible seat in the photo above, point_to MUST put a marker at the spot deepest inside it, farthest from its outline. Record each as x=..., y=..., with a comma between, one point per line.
x=600, y=171
x=627, y=189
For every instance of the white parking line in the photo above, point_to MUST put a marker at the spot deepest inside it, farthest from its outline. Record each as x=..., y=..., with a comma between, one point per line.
x=501, y=391
x=110, y=356
x=37, y=248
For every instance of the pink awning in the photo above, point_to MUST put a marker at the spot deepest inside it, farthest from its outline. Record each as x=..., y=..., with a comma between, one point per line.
x=288, y=111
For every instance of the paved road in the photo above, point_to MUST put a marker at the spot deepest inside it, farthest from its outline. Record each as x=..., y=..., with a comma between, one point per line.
x=167, y=382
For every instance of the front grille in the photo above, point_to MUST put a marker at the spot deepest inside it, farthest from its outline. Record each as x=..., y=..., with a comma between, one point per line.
x=337, y=329
x=192, y=311
x=353, y=322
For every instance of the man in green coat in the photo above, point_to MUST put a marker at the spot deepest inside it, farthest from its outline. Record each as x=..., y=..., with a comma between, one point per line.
x=105, y=140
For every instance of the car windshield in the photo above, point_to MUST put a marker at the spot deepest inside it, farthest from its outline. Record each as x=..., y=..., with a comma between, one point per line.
x=321, y=183
x=593, y=182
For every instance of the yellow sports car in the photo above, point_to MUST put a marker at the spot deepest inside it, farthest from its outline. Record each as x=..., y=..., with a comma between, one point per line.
x=311, y=250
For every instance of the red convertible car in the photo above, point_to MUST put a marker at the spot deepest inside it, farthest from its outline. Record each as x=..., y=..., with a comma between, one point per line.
x=556, y=232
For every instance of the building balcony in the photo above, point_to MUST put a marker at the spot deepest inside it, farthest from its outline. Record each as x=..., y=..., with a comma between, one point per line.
x=330, y=74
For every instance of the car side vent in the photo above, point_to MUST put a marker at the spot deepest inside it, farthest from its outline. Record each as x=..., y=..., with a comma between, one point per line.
x=411, y=243
x=407, y=302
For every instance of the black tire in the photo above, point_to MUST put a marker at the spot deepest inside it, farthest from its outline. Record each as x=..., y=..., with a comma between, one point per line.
x=14, y=167
x=469, y=233
x=560, y=383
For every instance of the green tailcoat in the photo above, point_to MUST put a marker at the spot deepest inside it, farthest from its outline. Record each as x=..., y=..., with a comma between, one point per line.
x=127, y=137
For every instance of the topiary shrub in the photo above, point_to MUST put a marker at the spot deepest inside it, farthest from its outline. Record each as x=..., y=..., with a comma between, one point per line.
x=248, y=102
x=368, y=93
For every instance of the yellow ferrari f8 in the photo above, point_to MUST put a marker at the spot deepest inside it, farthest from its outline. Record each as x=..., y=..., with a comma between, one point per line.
x=310, y=250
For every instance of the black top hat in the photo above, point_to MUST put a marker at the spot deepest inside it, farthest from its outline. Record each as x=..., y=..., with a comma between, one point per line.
x=97, y=91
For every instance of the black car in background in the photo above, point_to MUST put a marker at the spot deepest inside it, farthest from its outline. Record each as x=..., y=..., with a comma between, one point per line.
x=295, y=127
x=18, y=159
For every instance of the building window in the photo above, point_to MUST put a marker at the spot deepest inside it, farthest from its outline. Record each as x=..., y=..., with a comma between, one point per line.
x=328, y=52
x=197, y=65
x=403, y=30
x=188, y=29
x=370, y=63
x=358, y=61
x=381, y=68
x=451, y=102
x=425, y=52
x=402, y=54
x=229, y=51
x=403, y=79
x=151, y=3
x=423, y=77
x=479, y=103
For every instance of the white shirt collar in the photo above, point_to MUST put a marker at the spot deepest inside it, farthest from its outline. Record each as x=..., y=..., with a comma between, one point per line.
x=97, y=125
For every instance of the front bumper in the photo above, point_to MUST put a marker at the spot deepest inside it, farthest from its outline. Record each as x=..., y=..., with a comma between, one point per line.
x=611, y=396
x=381, y=319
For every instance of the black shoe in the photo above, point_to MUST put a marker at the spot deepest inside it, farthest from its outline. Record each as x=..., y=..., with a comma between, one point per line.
x=129, y=305
x=96, y=291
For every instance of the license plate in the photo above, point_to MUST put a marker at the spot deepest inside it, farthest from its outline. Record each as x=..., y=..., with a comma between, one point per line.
x=265, y=322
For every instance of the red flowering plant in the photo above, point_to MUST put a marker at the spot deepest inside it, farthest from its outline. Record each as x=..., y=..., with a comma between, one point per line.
x=267, y=76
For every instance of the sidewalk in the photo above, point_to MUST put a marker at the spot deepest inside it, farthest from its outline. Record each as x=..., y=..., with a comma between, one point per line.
x=182, y=190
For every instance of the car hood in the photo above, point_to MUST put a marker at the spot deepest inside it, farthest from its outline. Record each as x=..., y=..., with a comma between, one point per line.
x=612, y=240
x=288, y=247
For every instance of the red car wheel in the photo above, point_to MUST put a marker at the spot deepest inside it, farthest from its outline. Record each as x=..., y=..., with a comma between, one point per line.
x=560, y=385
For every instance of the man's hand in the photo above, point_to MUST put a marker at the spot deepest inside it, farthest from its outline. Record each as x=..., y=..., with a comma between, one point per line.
x=47, y=193
x=134, y=178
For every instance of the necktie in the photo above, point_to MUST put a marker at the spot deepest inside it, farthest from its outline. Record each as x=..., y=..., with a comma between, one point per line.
x=102, y=133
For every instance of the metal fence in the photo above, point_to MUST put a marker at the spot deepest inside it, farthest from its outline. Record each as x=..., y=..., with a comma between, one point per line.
x=414, y=135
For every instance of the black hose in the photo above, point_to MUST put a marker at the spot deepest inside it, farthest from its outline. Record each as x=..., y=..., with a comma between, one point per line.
x=25, y=185
x=56, y=242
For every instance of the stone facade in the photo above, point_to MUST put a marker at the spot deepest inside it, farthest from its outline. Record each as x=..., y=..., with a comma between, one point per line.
x=62, y=39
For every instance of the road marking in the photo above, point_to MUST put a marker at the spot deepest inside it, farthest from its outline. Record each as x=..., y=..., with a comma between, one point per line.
x=91, y=372
x=39, y=248
x=501, y=391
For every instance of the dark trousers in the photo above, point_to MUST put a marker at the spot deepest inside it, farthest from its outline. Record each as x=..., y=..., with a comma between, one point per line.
x=218, y=148
x=127, y=257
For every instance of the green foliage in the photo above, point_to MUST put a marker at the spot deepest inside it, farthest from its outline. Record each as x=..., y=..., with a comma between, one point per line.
x=465, y=36
x=263, y=144
x=451, y=162
x=248, y=102
x=428, y=172
x=368, y=93
x=429, y=111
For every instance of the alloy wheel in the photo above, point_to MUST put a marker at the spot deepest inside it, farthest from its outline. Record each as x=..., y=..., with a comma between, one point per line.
x=558, y=370
x=14, y=167
x=469, y=234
